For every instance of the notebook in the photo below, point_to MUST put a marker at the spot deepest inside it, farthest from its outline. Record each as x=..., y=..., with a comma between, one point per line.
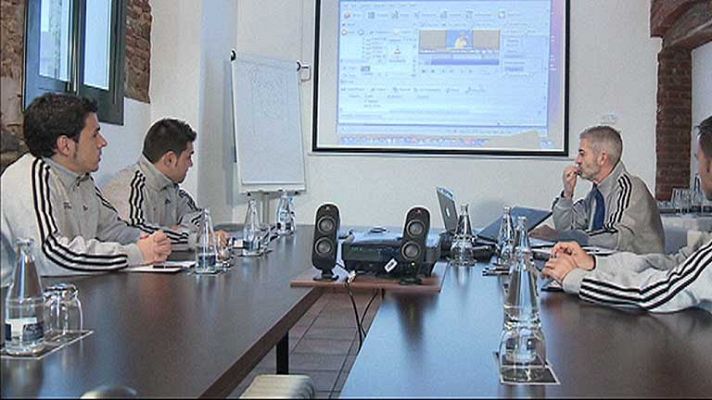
x=534, y=218
x=447, y=208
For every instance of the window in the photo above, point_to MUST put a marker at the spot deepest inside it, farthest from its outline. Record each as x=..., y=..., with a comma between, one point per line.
x=77, y=46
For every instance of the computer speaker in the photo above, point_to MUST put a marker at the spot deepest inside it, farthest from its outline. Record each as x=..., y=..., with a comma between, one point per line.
x=415, y=233
x=325, y=243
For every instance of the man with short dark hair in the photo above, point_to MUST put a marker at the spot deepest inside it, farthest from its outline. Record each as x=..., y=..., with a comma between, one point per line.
x=655, y=282
x=147, y=194
x=49, y=196
x=618, y=213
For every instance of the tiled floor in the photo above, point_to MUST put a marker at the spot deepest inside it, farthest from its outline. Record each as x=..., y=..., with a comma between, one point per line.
x=323, y=344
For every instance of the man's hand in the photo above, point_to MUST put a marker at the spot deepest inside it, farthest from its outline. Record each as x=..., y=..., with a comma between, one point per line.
x=582, y=259
x=544, y=232
x=155, y=248
x=558, y=267
x=570, y=175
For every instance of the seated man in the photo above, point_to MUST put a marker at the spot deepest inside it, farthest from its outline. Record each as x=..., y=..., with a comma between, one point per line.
x=147, y=194
x=618, y=213
x=50, y=196
x=655, y=282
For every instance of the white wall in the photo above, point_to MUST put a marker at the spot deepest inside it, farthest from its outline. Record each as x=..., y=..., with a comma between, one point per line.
x=215, y=133
x=125, y=141
x=612, y=71
x=176, y=73
x=701, y=92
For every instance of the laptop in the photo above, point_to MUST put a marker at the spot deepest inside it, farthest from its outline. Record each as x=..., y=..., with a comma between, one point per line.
x=447, y=209
x=534, y=218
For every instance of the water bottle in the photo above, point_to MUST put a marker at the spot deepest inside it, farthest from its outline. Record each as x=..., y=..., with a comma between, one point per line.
x=522, y=350
x=206, y=251
x=251, y=233
x=292, y=221
x=522, y=247
x=461, y=250
x=24, y=305
x=505, y=239
x=285, y=216
x=697, y=197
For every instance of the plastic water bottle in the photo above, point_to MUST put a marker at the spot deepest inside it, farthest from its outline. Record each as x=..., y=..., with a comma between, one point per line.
x=522, y=350
x=24, y=305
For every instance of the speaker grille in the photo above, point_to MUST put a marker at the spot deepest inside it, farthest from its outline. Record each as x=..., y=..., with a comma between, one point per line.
x=326, y=225
x=411, y=251
x=415, y=228
x=323, y=247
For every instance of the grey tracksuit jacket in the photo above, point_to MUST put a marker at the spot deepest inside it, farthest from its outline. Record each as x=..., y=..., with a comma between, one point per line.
x=75, y=230
x=149, y=200
x=656, y=282
x=632, y=220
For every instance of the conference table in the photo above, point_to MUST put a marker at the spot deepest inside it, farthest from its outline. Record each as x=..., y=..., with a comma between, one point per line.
x=443, y=346
x=182, y=335
x=175, y=335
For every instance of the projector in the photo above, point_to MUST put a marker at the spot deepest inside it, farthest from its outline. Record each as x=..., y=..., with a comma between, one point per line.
x=370, y=251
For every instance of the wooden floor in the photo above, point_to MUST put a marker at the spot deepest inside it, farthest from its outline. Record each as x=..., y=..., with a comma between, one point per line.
x=323, y=344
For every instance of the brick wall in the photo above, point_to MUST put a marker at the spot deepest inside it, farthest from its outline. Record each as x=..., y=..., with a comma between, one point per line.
x=138, y=50
x=12, y=38
x=683, y=25
x=674, y=120
x=12, y=20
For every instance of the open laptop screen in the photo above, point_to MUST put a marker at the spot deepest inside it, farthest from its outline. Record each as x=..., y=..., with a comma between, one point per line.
x=534, y=218
x=447, y=208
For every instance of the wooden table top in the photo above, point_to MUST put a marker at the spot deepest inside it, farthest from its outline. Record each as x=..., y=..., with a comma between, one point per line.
x=174, y=335
x=442, y=346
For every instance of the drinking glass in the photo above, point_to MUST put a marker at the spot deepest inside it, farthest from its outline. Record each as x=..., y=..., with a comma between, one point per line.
x=462, y=251
x=681, y=200
x=225, y=252
x=63, y=311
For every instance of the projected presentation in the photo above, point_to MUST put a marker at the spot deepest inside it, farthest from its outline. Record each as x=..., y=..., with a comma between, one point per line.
x=472, y=76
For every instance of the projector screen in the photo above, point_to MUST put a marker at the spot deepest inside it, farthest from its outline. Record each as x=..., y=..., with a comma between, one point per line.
x=434, y=76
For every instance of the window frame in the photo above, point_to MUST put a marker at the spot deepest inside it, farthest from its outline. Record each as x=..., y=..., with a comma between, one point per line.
x=110, y=102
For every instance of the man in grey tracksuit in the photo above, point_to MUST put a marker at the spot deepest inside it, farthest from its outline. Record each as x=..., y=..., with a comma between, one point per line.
x=656, y=282
x=49, y=196
x=619, y=212
x=147, y=194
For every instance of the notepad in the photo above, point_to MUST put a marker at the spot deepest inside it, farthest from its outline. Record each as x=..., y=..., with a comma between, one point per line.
x=167, y=267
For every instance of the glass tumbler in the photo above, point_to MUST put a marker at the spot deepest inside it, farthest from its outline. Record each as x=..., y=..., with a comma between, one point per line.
x=63, y=311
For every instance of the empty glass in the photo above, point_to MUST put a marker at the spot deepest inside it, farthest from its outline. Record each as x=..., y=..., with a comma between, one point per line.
x=681, y=200
x=63, y=312
x=225, y=253
x=206, y=251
